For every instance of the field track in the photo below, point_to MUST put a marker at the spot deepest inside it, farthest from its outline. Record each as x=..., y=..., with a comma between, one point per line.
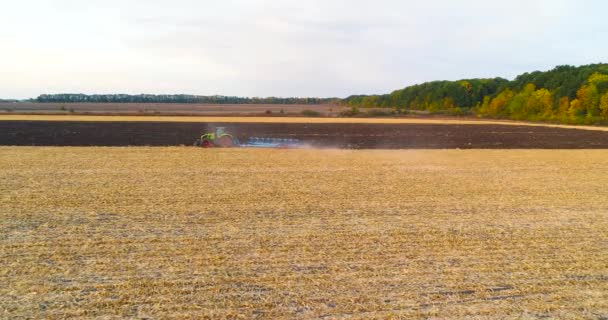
x=355, y=133
x=224, y=119
x=186, y=233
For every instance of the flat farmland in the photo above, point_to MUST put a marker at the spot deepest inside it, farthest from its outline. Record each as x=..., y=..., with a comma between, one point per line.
x=350, y=133
x=181, y=232
x=166, y=108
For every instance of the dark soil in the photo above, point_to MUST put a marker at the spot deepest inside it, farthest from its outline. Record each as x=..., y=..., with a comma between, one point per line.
x=357, y=136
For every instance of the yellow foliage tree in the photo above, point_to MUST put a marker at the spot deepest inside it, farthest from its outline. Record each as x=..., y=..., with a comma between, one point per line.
x=529, y=88
x=433, y=107
x=589, y=99
x=542, y=101
x=564, y=104
x=482, y=109
x=575, y=110
x=604, y=106
x=499, y=104
x=597, y=78
x=522, y=103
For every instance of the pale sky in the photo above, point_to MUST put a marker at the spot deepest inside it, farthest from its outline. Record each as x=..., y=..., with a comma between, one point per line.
x=300, y=48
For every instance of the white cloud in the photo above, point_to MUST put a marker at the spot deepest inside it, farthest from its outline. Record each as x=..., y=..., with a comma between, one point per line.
x=285, y=48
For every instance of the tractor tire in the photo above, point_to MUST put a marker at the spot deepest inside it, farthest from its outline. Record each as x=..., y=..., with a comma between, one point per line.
x=197, y=143
x=206, y=144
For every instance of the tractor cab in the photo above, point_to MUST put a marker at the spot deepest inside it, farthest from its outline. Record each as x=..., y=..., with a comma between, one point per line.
x=219, y=131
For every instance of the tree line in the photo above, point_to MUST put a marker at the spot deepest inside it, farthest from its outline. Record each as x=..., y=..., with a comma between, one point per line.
x=564, y=94
x=175, y=98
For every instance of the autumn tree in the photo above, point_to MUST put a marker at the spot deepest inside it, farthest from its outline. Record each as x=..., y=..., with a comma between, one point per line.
x=541, y=103
x=604, y=106
x=597, y=78
x=498, y=105
x=562, y=107
x=482, y=108
x=565, y=93
x=576, y=110
x=589, y=99
x=517, y=108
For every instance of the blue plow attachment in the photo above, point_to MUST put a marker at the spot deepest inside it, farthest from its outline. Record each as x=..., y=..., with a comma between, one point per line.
x=256, y=142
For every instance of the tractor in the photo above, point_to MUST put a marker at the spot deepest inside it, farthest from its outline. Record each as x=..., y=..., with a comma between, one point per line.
x=219, y=138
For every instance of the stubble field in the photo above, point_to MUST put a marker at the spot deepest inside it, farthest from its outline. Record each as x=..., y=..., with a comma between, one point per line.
x=182, y=232
x=165, y=108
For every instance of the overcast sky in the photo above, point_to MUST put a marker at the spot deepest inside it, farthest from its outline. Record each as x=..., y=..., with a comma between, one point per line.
x=288, y=47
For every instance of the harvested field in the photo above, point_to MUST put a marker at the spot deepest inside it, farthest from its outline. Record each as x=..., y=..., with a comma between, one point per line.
x=307, y=120
x=418, y=134
x=167, y=108
x=237, y=233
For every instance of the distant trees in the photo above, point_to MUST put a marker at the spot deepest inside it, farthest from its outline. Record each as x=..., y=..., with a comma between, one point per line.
x=436, y=96
x=565, y=94
x=589, y=104
x=175, y=98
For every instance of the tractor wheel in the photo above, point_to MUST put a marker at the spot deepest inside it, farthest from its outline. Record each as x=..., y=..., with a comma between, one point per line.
x=224, y=142
x=206, y=144
x=197, y=143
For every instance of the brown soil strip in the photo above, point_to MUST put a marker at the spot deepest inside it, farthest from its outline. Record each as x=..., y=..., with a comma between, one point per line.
x=329, y=135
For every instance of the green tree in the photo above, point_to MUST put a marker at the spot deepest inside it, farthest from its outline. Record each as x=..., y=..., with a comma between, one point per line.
x=448, y=103
x=519, y=105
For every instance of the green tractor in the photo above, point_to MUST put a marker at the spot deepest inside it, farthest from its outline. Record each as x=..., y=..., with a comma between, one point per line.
x=219, y=138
